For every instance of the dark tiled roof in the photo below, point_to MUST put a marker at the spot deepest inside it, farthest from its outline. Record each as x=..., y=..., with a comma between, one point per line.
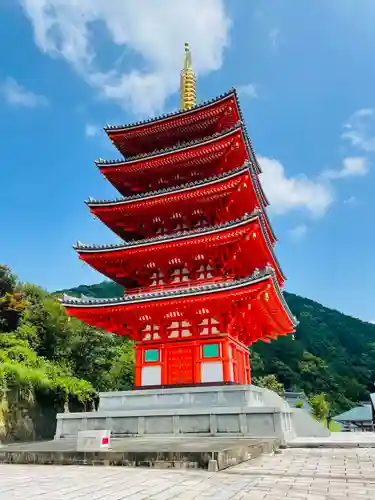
x=257, y=276
x=357, y=414
x=200, y=106
x=257, y=186
x=171, y=189
x=170, y=237
x=179, y=145
x=114, y=128
x=257, y=213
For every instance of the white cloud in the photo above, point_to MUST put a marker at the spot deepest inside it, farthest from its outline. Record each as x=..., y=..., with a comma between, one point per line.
x=273, y=36
x=350, y=200
x=351, y=167
x=91, y=130
x=17, y=95
x=248, y=90
x=359, y=131
x=298, y=232
x=289, y=193
x=154, y=31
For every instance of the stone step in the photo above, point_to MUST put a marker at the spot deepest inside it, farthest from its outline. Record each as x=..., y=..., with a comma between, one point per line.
x=210, y=453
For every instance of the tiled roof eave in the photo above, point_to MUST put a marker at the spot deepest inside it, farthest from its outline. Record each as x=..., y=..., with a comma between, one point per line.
x=256, y=277
x=258, y=192
x=211, y=102
x=269, y=245
x=93, y=203
x=356, y=414
x=80, y=247
x=124, y=127
x=284, y=303
x=103, y=164
x=168, y=238
x=240, y=125
x=251, y=151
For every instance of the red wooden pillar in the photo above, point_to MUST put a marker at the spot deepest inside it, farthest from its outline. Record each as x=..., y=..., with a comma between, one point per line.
x=164, y=364
x=226, y=361
x=163, y=352
x=247, y=366
x=235, y=363
x=197, y=352
x=138, y=365
x=240, y=367
x=244, y=364
x=197, y=364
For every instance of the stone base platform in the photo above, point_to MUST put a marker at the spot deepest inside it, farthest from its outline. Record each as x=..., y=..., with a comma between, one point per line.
x=225, y=411
x=173, y=452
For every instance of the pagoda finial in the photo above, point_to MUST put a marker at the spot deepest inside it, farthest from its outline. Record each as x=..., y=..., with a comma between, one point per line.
x=188, y=82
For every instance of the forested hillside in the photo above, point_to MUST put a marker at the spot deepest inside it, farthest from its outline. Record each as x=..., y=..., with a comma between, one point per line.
x=47, y=358
x=331, y=352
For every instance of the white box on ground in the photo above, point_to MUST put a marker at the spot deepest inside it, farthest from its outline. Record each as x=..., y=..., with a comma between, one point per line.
x=93, y=440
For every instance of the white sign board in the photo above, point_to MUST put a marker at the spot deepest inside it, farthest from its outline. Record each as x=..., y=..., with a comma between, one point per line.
x=98, y=440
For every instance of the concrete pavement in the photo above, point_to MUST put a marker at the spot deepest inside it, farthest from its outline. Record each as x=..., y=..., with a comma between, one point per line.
x=295, y=474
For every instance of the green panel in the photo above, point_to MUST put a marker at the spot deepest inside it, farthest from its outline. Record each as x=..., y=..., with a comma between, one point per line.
x=211, y=350
x=151, y=355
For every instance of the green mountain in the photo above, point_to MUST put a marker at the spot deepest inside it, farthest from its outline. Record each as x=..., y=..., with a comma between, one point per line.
x=331, y=352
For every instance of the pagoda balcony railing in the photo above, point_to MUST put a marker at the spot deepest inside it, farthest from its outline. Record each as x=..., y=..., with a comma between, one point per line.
x=181, y=284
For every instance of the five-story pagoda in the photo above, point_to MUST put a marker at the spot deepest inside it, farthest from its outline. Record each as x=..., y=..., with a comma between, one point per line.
x=201, y=280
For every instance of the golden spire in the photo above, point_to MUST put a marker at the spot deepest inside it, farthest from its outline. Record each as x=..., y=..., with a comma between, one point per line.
x=188, y=83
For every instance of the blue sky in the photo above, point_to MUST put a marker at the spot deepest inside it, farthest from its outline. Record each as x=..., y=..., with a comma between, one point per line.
x=305, y=75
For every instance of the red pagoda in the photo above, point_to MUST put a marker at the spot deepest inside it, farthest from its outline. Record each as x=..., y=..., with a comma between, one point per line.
x=201, y=279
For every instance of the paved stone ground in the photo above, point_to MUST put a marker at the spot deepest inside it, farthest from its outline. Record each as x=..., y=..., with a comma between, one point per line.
x=337, y=440
x=310, y=474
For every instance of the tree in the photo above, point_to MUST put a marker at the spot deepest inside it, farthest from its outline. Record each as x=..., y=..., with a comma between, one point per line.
x=24, y=374
x=122, y=370
x=93, y=354
x=51, y=329
x=8, y=280
x=11, y=300
x=35, y=343
x=270, y=382
x=320, y=406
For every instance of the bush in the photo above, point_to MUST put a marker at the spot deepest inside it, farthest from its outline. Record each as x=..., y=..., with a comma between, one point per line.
x=270, y=382
x=320, y=406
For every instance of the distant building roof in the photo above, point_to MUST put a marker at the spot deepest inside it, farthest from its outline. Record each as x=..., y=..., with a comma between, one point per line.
x=292, y=398
x=357, y=414
x=292, y=394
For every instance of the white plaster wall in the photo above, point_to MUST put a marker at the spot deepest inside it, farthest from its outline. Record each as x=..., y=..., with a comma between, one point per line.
x=151, y=375
x=212, y=371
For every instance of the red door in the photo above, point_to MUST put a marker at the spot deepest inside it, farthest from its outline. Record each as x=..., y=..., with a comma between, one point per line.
x=180, y=365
